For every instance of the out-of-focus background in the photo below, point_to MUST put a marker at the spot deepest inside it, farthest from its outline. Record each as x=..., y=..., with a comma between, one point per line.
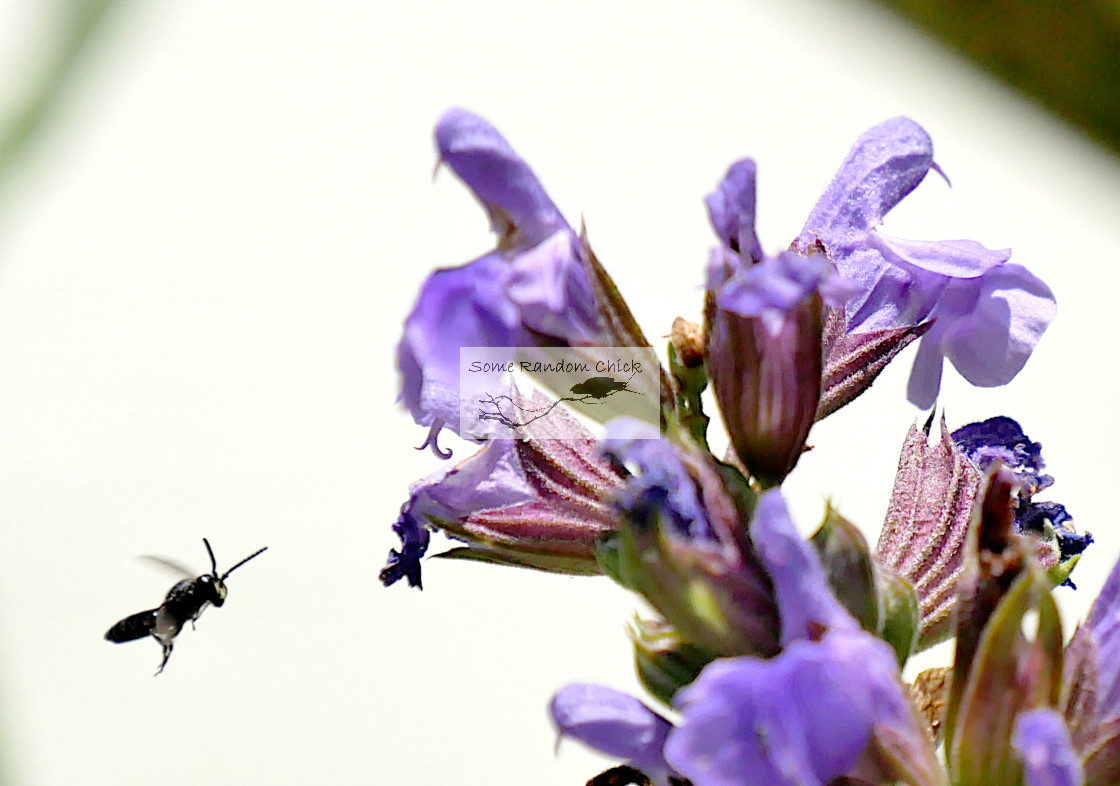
x=207, y=247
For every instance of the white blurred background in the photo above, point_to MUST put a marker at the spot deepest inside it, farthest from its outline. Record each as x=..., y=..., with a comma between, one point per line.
x=204, y=265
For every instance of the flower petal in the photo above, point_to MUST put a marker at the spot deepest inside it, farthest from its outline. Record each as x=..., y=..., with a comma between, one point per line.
x=612, y=722
x=731, y=208
x=806, y=605
x=467, y=304
x=520, y=211
x=989, y=343
x=1043, y=745
x=801, y=718
x=885, y=164
x=953, y=258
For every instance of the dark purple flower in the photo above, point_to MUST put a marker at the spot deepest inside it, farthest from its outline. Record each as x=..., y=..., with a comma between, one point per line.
x=989, y=314
x=660, y=481
x=613, y=723
x=1002, y=439
x=1043, y=745
x=532, y=288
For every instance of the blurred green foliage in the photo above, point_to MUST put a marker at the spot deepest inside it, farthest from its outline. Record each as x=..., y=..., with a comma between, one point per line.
x=63, y=51
x=1064, y=53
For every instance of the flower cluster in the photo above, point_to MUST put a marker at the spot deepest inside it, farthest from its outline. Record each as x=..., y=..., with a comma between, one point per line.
x=777, y=659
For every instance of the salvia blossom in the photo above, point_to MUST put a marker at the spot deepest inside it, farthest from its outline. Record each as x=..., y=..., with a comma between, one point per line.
x=988, y=315
x=533, y=286
x=778, y=658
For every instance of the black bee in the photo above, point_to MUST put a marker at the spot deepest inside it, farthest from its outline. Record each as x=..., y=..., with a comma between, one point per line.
x=185, y=601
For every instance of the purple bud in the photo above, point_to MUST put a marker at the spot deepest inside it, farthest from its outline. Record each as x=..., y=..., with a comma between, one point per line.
x=764, y=358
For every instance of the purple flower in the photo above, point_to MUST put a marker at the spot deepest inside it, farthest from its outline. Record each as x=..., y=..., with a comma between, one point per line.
x=1043, y=745
x=660, y=484
x=800, y=719
x=684, y=537
x=538, y=502
x=532, y=288
x=806, y=606
x=1002, y=439
x=614, y=723
x=989, y=314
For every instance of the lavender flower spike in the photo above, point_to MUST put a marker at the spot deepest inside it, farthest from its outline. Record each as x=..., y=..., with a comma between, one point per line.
x=533, y=286
x=989, y=314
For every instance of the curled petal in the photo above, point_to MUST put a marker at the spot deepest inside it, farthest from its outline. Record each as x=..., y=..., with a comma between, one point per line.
x=885, y=164
x=520, y=211
x=952, y=258
x=991, y=341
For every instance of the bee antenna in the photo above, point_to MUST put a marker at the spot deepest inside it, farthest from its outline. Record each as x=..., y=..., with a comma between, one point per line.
x=213, y=562
x=242, y=562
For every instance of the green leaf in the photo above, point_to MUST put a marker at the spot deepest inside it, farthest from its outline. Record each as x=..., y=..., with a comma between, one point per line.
x=1011, y=672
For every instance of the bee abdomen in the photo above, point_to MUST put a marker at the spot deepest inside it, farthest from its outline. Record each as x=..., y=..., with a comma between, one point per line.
x=133, y=627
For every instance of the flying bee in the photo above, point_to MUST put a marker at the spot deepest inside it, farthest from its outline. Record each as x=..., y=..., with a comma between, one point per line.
x=185, y=601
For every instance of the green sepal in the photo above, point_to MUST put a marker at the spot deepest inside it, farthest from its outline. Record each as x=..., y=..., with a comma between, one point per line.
x=665, y=662
x=1009, y=673
x=691, y=383
x=849, y=568
x=901, y=616
x=1060, y=572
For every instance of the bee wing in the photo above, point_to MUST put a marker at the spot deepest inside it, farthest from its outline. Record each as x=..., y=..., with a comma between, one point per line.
x=171, y=565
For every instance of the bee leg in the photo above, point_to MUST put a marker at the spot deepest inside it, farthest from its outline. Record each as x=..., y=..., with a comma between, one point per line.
x=167, y=647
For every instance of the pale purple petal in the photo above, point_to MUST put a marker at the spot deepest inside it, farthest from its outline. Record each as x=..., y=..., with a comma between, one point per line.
x=955, y=258
x=799, y=719
x=885, y=164
x=519, y=208
x=549, y=285
x=1043, y=745
x=1104, y=622
x=731, y=208
x=893, y=296
x=990, y=343
x=611, y=722
x=925, y=375
x=806, y=605
x=491, y=478
x=457, y=307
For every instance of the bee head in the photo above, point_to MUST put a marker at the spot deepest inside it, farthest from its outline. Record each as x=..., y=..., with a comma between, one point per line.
x=219, y=592
x=214, y=589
